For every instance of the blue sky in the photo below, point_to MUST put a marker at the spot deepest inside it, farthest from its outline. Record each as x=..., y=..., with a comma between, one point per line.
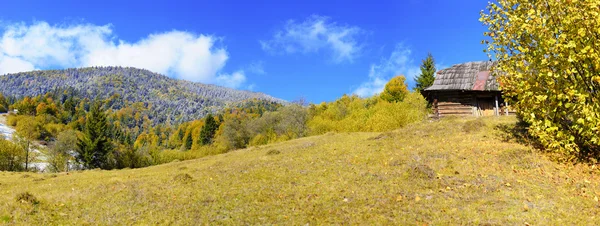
x=317, y=50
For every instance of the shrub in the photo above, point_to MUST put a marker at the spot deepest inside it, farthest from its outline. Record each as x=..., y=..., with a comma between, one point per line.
x=422, y=171
x=273, y=152
x=183, y=178
x=366, y=115
x=12, y=156
x=28, y=198
x=473, y=126
x=259, y=139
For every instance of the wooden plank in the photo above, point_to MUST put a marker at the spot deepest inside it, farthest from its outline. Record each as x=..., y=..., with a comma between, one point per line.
x=459, y=115
x=456, y=107
x=456, y=112
x=453, y=104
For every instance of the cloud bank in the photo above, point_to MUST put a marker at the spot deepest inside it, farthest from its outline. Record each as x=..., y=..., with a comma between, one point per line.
x=315, y=34
x=179, y=54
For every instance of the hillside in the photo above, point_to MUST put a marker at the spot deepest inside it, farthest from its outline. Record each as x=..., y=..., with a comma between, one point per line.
x=459, y=171
x=173, y=99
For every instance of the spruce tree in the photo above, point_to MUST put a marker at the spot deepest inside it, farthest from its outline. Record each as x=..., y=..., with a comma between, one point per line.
x=94, y=145
x=208, y=130
x=427, y=76
x=188, y=141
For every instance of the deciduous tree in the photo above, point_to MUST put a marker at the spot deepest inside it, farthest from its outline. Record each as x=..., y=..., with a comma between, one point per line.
x=28, y=130
x=395, y=90
x=548, y=54
x=62, y=151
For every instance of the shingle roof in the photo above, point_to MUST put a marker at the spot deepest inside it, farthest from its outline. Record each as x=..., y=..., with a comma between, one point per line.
x=466, y=76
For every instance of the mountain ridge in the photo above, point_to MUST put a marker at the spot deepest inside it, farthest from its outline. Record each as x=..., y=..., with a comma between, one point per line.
x=176, y=100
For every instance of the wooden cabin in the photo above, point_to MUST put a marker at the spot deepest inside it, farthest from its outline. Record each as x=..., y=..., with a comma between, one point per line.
x=468, y=89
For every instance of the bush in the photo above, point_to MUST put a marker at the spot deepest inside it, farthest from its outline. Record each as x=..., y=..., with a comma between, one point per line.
x=354, y=114
x=12, y=156
x=28, y=198
x=273, y=152
x=183, y=178
x=473, y=126
x=422, y=171
x=259, y=139
x=127, y=157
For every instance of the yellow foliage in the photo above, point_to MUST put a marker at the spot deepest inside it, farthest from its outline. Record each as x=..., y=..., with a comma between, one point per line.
x=395, y=90
x=353, y=114
x=548, y=54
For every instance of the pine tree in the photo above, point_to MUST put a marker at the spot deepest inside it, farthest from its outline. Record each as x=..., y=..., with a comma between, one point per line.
x=208, y=130
x=188, y=141
x=427, y=76
x=94, y=145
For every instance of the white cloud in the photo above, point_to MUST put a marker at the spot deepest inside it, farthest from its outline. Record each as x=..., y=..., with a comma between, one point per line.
x=399, y=63
x=251, y=87
x=13, y=65
x=315, y=34
x=179, y=54
x=257, y=68
x=234, y=80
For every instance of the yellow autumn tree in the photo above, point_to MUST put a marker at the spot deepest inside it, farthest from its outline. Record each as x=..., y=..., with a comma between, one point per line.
x=548, y=55
x=395, y=90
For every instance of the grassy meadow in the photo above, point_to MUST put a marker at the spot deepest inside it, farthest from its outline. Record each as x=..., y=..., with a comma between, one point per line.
x=452, y=171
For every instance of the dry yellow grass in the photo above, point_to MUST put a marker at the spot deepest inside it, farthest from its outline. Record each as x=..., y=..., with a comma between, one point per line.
x=443, y=172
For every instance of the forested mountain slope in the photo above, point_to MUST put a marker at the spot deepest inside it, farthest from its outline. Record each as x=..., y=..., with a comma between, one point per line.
x=169, y=98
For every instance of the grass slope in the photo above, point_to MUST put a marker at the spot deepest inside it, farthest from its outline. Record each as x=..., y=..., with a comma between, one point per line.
x=456, y=171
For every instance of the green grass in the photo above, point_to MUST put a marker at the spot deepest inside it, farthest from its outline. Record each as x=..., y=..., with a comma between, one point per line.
x=441, y=172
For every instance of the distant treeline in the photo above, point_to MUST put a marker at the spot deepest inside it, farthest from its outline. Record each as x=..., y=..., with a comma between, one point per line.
x=114, y=133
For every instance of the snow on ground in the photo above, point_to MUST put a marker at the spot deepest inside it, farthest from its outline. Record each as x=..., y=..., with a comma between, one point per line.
x=8, y=132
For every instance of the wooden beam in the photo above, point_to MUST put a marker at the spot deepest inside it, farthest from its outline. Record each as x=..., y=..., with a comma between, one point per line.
x=496, y=111
x=435, y=108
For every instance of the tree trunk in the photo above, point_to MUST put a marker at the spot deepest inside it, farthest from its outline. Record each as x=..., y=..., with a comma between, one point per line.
x=27, y=157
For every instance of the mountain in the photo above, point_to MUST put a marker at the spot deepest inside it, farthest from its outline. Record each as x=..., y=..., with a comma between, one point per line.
x=170, y=99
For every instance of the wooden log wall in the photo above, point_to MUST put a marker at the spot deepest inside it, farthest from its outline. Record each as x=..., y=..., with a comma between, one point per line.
x=455, y=103
x=454, y=108
x=467, y=103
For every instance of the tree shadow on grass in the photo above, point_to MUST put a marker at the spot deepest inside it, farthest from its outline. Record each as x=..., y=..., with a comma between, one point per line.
x=517, y=132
